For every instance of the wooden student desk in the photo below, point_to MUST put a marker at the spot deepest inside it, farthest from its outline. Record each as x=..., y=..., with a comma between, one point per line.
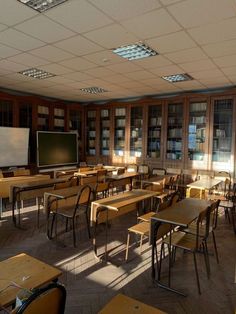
x=27, y=272
x=180, y=214
x=30, y=190
x=114, y=206
x=122, y=304
x=6, y=183
x=204, y=185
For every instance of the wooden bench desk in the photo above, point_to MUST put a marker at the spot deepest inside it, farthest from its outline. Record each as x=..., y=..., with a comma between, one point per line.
x=26, y=272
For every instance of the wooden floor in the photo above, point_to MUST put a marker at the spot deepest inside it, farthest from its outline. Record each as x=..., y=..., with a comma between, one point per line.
x=90, y=283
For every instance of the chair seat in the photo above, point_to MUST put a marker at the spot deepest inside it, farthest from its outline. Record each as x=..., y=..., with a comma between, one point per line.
x=226, y=204
x=182, y=240
x=141, y=228
x=193, y=230
x=146, y=217
x=68, y=211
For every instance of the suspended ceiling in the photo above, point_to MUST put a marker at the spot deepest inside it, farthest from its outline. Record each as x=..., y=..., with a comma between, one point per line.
x=74, y=41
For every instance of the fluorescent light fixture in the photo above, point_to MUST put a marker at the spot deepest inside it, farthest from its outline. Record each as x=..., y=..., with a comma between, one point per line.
x=177, y=78
x=135, y=51
x=37, y=73
x=42, y=5
x=93, y=90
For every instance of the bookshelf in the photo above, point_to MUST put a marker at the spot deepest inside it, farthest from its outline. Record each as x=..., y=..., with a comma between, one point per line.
x=105, y=124
x=91, y=132
x=119, y=131
x=136, y=125
x=154, y=131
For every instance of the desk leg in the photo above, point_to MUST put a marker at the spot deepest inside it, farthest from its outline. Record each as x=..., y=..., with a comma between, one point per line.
x=233, y=218
x=1, y=208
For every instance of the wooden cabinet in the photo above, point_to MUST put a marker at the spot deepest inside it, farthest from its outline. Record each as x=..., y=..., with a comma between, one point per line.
x=6, y=112
x=136, y=132
x=91, y=132
x=105, y=131
x=175, y=125
x=120, y=128
x=154, y=131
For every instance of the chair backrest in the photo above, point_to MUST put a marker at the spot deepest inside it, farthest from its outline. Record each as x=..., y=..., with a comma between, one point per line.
x=74, y=180
x=132, y=168
x=84, y=169
x=83, y=198
x=62, y=185
x=156, y=187
x=158, y=171
x=50, y=299
x=203, y=220
x=214, y=214
x=143, y=169
x=1, y=174
x=175, y=197
x=120, y=171
x=101, y=190
x=101, y=175
x=189, y=175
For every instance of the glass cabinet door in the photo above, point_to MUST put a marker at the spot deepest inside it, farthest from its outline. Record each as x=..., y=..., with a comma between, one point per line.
x=59, y=122
x=174, y=132
x=75, y=124
x=91, y=132
x=222, y=130
x=105, y=132
x=43, y=118
x=119, y=134
x=136, y=123
x=154, y=131
x=6, y=113
x=197, y=131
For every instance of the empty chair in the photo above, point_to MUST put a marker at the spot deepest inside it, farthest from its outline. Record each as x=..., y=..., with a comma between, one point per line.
x=190, y=242
x=50, y=299
x=71, y=208
x=101, y=175
x=101, y=190
x=143, y=170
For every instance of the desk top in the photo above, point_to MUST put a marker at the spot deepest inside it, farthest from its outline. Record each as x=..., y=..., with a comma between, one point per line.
x=157, y=179
x=205, y=183
x=125, y=175
x=121, y=200
x=27, y=272
x=64, y=193
x=182, y=213
x=37, y=184
x=121, y=304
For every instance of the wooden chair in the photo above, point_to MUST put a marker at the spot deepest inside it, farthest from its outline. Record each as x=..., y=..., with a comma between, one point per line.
x=50, y=299
x=71, y=208
x=190, y=242
x=132, y=168
x=101, y=190
x=101, y=175
x=212, y=226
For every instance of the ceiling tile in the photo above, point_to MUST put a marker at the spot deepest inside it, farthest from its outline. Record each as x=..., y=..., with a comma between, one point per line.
x=152, y=62
x=193, y=13
x=111, y=36
x=99, y=72
x=78, y=76
x=187, y=55
x=78, y=64
x=226, y=61
x=18, y=40
x=140, y=75
x=51, y=53
x=116, y=78
x=168, y=2
x=13, y=12
x=78, y=45
x=124, y=67
x=168, y=70
x=104, y=58
x=172, y=42
x=189, y=85
x=154, y=82
x=215, y=32
x=206, y=74
x=220, y=49
x=55, y=68
x=11, y=66
x=6, y=51
x=115, y=8
x=44, y=29
x=229, y=71
x=28, y=60
x=157, y=22
x=215, y=80
x=79, y=16
x=200, y=65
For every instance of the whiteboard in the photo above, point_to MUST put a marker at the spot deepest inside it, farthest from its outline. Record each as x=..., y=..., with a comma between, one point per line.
x=14, y=144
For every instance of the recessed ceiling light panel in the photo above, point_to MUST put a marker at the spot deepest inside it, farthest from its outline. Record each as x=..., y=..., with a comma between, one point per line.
x=42, y=5
x=177, y=78
x=37, y=73
x=93, y=90
x=135, y=51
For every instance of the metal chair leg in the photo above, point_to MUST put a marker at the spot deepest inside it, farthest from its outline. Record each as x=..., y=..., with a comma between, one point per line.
x=88, y=227
x=196, y=271
x=74, y=236
x=127, y=247
x=206, y=258
x=215, y=247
